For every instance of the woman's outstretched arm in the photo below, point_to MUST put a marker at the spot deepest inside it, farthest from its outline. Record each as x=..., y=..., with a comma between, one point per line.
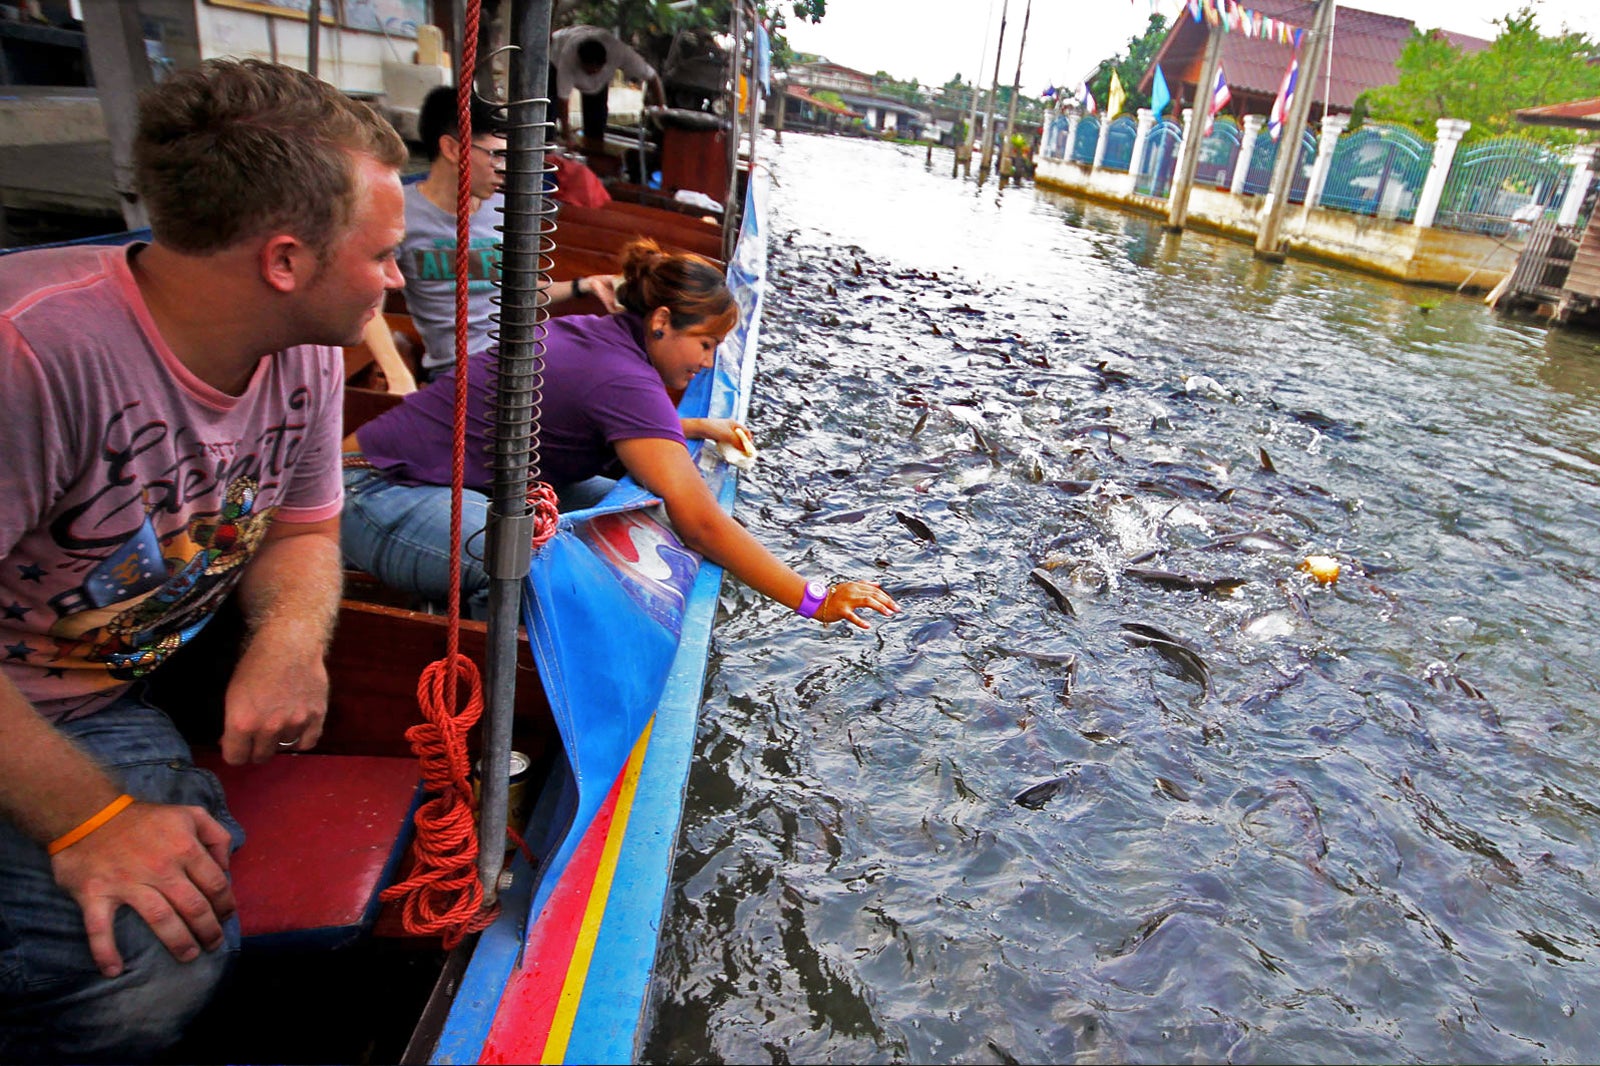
x=664, y=467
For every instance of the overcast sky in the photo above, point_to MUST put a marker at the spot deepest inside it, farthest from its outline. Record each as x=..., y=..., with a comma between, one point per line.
x=932, y=40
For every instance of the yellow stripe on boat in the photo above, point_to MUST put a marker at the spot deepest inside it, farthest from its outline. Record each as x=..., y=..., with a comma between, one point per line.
x=555, y=1048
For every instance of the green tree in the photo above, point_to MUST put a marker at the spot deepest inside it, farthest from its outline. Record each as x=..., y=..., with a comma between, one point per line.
x=1130, y=66
x=1521, y=68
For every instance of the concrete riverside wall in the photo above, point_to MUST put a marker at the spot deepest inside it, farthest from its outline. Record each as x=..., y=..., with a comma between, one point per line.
x=43, y=115
x=1398, y=250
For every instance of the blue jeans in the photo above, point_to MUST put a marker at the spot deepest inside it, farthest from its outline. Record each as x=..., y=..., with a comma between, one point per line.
x=400, y=534
x=54, y=1003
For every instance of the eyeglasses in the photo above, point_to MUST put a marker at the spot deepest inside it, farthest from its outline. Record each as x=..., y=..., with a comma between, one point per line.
x=497, y=156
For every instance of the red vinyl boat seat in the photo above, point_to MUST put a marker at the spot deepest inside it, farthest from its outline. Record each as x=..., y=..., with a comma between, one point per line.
x=324, y=835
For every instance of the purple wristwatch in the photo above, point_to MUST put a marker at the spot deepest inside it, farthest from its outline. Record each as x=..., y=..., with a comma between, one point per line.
x=815, y=593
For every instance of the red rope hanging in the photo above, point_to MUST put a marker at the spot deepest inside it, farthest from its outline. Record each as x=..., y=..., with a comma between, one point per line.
x=443, y=894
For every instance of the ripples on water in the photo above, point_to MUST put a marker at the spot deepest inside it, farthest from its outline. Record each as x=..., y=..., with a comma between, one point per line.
x=1370, y=835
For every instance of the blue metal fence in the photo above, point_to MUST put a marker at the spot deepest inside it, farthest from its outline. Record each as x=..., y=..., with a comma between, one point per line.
x=1056, y=140
x=1259, y=176
x=1161, y=149
x=1088, y=137
x=1378, y=170
x=1497, y=183
x=1119, y=144
x=1218, y=152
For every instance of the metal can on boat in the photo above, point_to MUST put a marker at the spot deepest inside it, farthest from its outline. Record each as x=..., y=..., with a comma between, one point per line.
x=516, y=788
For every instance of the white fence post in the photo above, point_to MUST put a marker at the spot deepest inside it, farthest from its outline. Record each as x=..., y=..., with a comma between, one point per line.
x=1247, y=149
x=1451, y=131
x=1141, y=139
x=1100, y=145
x=1332, y=127
x=1072, y=136
x=1582, y=160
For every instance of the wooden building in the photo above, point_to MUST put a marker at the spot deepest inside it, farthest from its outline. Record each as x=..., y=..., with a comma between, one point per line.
x=1558, y=270
x=1366, y=47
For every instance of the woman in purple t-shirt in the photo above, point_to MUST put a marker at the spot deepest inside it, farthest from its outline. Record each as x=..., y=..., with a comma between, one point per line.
x=609, y=383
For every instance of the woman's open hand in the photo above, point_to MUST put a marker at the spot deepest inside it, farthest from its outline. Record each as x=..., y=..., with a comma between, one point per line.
x=721, y=430
x=844, y=600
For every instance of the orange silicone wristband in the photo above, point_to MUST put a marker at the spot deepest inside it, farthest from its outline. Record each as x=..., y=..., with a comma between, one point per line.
x=108, y=812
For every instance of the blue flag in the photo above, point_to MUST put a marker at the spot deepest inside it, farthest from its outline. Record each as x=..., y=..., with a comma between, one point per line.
x=1160, y=96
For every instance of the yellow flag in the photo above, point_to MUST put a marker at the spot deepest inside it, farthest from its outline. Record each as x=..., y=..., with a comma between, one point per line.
x=1116, y=97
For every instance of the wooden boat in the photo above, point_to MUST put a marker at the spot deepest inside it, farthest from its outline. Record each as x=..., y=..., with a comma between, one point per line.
x=617, y=619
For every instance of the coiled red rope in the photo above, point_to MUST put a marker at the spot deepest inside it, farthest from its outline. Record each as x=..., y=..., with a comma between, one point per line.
x=443, y=894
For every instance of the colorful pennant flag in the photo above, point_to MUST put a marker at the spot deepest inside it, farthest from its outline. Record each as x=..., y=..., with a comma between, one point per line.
x=1281, y=105
x=1219, y=99
x=1160, y=95
x=1088, y=100
x=1233, y=17
x=1115, y=97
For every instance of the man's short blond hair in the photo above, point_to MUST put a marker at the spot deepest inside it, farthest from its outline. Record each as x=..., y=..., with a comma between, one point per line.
x=241, y=148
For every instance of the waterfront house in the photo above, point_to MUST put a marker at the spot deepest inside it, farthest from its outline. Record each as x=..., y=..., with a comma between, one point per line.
x=1559, y=267
x=859, y=92
x=1366, y=47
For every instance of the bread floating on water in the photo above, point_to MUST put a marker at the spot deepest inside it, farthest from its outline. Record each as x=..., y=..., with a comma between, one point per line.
x=1324, y=569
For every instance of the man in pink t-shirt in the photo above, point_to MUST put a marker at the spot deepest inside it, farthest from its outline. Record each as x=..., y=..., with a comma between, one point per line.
x=170, y=422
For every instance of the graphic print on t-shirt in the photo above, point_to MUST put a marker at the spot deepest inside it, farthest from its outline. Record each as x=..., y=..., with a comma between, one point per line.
x=438, y=263
x=143, y=554
x=151, y=595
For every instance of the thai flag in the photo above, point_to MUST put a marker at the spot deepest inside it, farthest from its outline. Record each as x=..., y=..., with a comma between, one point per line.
x=1280, y=106
x=1088, y=100
x=1219, y=99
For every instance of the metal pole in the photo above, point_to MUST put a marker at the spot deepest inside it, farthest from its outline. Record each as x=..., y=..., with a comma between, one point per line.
x=1016, y=85
x=313, y=36
x=729, y=231
x=994, y=90
x=1189, y=156
x=964, y=158
x=524, y=270
x=121, y=69
x=754, y=118
x=1268, y=244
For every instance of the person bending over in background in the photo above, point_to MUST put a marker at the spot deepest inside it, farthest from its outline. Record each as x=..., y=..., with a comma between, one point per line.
x=585, y=58
x=608, y=410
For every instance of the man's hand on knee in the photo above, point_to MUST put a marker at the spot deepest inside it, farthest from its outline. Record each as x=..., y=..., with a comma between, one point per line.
x=169, y=863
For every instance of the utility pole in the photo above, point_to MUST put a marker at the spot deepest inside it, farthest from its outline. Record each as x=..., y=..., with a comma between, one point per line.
x=121, y=69
x=964, y=155
x=1016, y=85
x=1268, y=244
x=1189, y=158
x=313, y=36
x=994, y=90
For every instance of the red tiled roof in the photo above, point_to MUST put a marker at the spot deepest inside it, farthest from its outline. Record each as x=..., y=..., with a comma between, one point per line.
x=1366, y=46
x=800, y=92
x=1579, y=114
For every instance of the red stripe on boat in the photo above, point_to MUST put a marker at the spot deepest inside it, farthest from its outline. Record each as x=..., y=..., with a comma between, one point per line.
x=521, y=1026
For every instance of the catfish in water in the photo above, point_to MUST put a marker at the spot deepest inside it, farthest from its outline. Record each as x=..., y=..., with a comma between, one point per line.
x=1188, y=661
x=918, y=527
x=1036, y=796
x=1196, y=582
x=1039, y=576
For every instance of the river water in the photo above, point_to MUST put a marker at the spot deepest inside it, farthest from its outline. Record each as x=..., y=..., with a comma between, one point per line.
x=1297, y=822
